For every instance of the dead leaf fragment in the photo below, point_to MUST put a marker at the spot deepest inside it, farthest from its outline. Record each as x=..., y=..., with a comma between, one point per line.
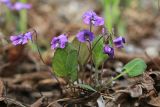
x=155, y=101
x=135, y=91
x=147, y=82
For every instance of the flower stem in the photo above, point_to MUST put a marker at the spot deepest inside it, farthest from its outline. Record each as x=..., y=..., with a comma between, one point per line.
x=23, y=19
x=79, y=48
x=97, y=42
x=123, y=73
x=90, y=51
x=36, y=43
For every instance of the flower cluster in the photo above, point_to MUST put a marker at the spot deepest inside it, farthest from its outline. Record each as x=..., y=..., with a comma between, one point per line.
x=59, y=42
x=118, y=42
x=21, y=39
x=16, y=6
x=89, y=18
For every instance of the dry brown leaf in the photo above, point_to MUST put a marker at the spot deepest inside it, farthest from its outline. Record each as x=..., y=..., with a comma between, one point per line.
x=155, y=101
x=155, y=75
x=135, y=91
x=147, y=83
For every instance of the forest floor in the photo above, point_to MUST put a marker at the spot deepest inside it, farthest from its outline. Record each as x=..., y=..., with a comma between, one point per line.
x=25, y=81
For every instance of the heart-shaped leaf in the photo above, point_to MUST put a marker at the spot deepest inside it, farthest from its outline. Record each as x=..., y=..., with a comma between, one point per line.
x=65, y=62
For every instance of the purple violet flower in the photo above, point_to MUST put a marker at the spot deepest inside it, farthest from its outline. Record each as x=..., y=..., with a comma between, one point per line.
x=5, y=1
x=108, y=50
x=19, y=6
x=59, y=42
x=21, y=39
x=91, y=17
x=119, y=41
x=16, y=6
x=85, y=35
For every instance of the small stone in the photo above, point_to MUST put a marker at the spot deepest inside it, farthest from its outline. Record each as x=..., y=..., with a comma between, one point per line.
x=152, y=51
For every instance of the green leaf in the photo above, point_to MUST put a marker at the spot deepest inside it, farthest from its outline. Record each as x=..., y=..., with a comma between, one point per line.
x=83, y=52
x=88, y=87
x=135, y=67
x=65, y=62
x=98, y=56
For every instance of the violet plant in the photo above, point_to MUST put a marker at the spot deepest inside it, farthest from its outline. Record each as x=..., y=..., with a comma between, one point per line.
x=71, y=57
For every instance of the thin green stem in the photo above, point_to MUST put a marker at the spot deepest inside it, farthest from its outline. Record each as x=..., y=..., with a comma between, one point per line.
x=90, y=51
x=121, y=74
x=79, y=48
x=97, y=42
x=23, y=18
x=38, y=49
x=109, y=82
